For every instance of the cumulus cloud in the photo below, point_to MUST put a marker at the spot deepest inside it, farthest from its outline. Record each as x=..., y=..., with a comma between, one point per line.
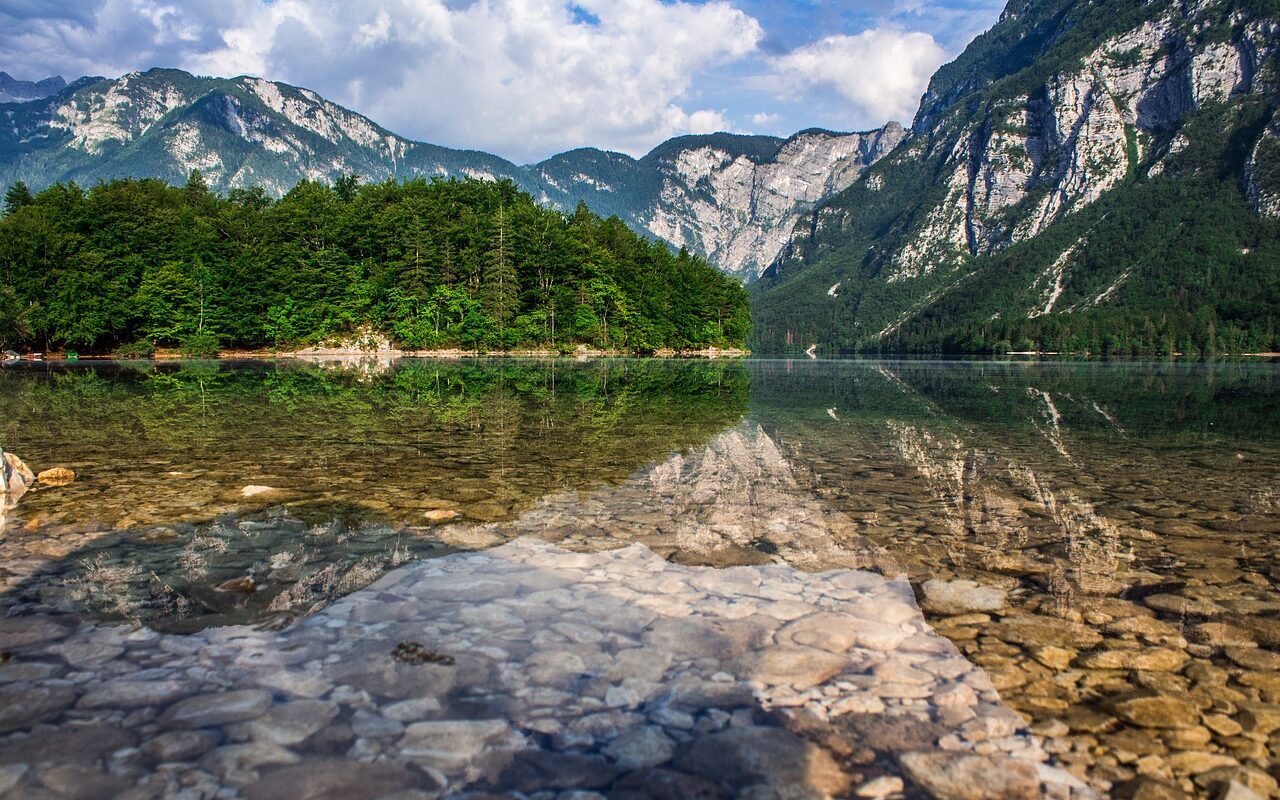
x=880, y=72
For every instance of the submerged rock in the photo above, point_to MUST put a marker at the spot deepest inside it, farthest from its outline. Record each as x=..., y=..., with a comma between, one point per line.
x=57, y=476
x=963, y=776
x=961, y=597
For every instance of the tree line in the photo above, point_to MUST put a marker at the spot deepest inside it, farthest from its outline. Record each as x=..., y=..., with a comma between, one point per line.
x=130, y=264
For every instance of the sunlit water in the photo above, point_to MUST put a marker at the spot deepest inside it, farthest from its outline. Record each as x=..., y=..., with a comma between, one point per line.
x=601, y=523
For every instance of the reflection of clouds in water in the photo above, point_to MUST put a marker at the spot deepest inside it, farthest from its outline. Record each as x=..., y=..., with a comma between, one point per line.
x=627, y=667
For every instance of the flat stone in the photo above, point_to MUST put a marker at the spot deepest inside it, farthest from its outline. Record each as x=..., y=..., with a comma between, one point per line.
x=131, y=694
x=645, y=747
x=742, y=757
x=239, y=763
x=1180, y=606
x=76, y=782
x=1261, y=719
x=18, y=632
x=961, y=597
x=1156, y=711
x=179, y=745
x=1220, y=634
x=964, y=776
x=1156, y=659
x=800, y=668
x=1148, y=788
x=23, y=706
x=450, y=744
x=1254, y=658
x=218, y=708
x=1045, y=632
x=316, y=779
x=540, y=770
x=287, y=724
x=880, y=787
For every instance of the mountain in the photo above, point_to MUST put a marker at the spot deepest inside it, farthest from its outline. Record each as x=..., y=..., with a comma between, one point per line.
x=1086, y=175
x=238, y=131
x=732, y=198
x=13, y=90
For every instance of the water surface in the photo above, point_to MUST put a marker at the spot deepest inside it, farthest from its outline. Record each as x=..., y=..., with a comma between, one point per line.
x=1093, y=542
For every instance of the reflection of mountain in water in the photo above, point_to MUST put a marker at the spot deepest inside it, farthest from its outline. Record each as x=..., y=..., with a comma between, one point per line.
x=733, y=502
x=525, y=668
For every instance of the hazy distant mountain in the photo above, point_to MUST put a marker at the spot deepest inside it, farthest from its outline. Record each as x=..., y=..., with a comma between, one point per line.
x=13, y=90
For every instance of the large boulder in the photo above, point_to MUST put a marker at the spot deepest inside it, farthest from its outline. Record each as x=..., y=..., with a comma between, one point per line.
x=15, y=479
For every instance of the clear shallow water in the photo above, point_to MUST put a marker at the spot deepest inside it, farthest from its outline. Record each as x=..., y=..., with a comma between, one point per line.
x=1117, y=521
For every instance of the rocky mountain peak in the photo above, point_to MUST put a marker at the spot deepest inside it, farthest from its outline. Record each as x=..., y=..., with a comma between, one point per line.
x=13, y=90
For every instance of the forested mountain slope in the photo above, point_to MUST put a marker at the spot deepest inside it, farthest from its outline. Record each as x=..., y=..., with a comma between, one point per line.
x=1086, y=176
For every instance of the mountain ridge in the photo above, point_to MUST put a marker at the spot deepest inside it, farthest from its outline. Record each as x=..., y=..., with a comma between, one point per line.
x=245, y=131
x=1108, y=118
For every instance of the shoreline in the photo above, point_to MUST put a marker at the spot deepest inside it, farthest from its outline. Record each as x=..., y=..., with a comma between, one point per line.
x=327, y=353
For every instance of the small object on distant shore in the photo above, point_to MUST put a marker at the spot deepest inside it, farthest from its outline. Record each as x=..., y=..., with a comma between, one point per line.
x=57, y=476
x=10, y=356
x=253, y=490
x=441, y=514
x=812, y=351
x=415, y=653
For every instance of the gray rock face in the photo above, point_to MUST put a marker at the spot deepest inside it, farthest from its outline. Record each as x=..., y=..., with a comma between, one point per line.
x=739, y=213
x=1072, y=140
x=13, y=90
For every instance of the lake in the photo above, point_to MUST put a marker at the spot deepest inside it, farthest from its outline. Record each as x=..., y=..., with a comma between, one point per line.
x=641, y=578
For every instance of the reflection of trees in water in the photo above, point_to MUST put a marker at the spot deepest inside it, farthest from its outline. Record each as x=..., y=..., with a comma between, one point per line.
x=351, y=435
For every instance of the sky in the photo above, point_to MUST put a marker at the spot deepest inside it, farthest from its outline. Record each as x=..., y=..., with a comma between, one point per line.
x=529, y=78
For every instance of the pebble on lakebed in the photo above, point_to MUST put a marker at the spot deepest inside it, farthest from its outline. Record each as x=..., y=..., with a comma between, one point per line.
x=615, y=672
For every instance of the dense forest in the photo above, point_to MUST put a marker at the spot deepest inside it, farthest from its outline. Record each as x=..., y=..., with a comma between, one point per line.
x=132, y=264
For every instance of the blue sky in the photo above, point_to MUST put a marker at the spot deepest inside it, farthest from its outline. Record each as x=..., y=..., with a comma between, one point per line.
x=527, y=78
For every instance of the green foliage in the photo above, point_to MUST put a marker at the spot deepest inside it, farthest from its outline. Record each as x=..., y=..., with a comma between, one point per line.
x=1173, y=263
x=428, y=264
x=200, y=345
x=134, y=350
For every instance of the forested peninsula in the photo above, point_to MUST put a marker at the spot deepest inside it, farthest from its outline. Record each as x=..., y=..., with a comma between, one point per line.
x=129, y=265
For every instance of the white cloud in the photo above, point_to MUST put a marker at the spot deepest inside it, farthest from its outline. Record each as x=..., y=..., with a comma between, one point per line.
x=880, y=72
x=764, y=119
x=522, y=77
